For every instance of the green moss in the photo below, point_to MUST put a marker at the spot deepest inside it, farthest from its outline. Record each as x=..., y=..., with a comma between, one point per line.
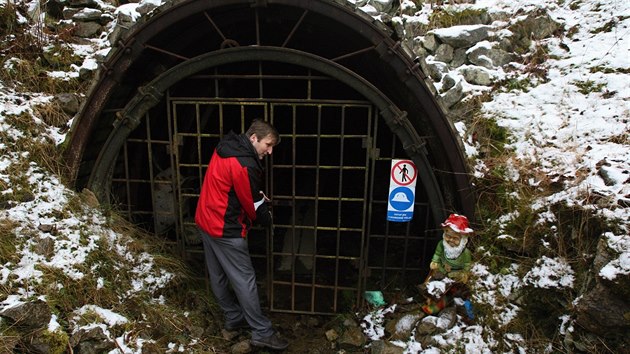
x=30, y=74
x=443, y=18
x=588, y=86
x=607, y=27
x=607, y=70
x=8, y=241
x=575, y=5
x=541, y=310
x=519, y=83
x=57, y=341
x=60, y=57
x=492, y=139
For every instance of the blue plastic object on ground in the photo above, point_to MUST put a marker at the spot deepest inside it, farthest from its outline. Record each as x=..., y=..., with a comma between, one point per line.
x=374, y=297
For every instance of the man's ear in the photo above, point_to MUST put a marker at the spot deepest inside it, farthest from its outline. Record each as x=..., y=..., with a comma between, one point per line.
x=252, y=138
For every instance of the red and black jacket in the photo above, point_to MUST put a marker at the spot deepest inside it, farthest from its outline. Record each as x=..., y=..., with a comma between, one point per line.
x=232, y=184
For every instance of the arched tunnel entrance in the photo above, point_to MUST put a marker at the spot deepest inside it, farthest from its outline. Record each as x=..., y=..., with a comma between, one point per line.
x=346, y=99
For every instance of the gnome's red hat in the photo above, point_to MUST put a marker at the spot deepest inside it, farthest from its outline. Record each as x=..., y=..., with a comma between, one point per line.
x=458, y=223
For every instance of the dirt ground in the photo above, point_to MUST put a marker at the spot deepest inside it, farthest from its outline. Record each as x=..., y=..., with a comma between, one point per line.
x=306, y=334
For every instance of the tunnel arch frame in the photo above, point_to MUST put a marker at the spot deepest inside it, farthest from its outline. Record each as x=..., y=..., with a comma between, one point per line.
x=149, y=95
x=394, y=57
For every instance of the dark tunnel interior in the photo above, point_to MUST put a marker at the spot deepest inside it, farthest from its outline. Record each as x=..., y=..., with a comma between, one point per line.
x=328, y=180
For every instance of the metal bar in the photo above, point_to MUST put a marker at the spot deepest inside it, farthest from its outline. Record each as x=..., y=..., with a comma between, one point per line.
x=365, y=223
x=293, y=194
x=295, y=27
x=357, y=52
x=258, y=101
x=260, y=76
x=148, y=46
x=317, y=199
x=257, y=27
x=150, y=162
x=216, y=28
x=309, y=87
x=128, y=185
x=174, y=160
x=260, y=82
x=339, y=205
x=200, y=163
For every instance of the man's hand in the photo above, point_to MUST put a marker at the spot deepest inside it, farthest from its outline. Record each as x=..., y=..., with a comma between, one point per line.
x=434, y=265
x=265, y=198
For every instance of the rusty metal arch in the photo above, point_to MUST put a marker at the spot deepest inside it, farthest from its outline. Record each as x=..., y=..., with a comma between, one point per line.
x=414, y=110
x=149, y=95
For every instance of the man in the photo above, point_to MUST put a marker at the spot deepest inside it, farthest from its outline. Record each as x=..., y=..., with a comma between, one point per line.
x=231, y=199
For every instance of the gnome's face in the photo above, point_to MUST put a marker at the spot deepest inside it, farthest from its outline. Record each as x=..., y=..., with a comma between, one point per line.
x=452, y=237
x=454, y=243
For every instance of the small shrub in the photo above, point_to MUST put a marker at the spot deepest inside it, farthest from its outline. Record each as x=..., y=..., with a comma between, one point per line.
x=8, y=241
x=518, y=83
x=52, y=114
x=31, y=75
x=588, y=86
x=446, y=17
x=57, y=341
x=607, y=27
x=575, y=5
x=490, y=137
x=42, y=151
x=607, y=70
x=60, y=57
x=8, y=19
x=20, y=188
x=443, y=18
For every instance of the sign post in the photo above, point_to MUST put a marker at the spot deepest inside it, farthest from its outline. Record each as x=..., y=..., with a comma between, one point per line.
x=402, y=191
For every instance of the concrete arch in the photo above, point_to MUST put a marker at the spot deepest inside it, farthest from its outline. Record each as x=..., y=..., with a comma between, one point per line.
x=150, y=94
x=342, y=42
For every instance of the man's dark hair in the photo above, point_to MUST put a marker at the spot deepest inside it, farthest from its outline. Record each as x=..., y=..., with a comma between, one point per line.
x=262, y=129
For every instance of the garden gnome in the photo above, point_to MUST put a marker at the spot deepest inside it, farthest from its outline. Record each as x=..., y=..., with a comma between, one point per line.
x=451, y=257
x=452, y=260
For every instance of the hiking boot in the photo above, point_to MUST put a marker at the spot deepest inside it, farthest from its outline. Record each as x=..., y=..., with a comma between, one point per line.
x=273, y=342
x=242, y=324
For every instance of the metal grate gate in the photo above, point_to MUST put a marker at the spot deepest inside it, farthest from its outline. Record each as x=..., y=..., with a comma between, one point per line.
x=328, y=180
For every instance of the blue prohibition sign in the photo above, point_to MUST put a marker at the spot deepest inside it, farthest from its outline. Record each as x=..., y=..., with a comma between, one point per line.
x=401, y=198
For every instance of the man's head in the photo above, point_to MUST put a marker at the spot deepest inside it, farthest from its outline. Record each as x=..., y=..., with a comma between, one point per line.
x=263, y=137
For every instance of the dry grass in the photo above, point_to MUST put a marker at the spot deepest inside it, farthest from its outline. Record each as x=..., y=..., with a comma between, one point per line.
x=8, y=240
x=52, y=114
x=33, y=140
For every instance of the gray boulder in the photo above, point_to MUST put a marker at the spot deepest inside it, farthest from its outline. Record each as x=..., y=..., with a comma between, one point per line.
x=476, y=75
x=462, y=36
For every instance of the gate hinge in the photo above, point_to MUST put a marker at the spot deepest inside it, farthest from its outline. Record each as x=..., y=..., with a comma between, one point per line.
x=149, y=96
x=398, y=117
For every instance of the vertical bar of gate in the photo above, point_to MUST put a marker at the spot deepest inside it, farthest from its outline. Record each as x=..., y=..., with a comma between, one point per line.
x=151, y=173
x=387, y=223
x=127, y=184
x=340, y=196
x=367, y=206
x=173, y=143
x=317, y=184
x=293, y=192
x=200, y=163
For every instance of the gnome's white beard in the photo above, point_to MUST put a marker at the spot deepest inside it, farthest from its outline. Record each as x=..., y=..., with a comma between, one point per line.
x=453, y=252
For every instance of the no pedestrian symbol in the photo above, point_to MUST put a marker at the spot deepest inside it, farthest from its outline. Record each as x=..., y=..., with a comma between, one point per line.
x=402, y=187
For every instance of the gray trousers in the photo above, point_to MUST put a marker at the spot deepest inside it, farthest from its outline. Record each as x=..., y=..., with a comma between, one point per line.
x=229, y=263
